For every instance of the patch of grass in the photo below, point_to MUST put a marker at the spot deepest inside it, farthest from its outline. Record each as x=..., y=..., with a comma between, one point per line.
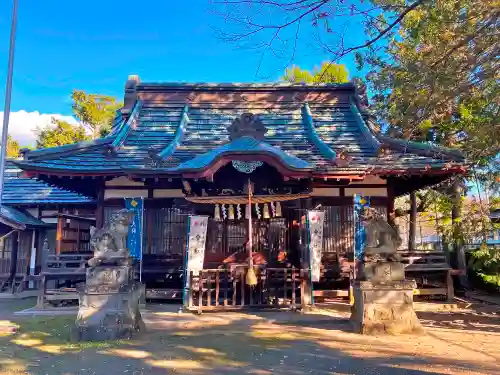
x=13, y=305
x=53, y=335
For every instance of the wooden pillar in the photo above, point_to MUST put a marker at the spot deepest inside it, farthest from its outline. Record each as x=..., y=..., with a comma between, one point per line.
x=413, y=221
x=390, y=200
x=59, y=234
x=32, y=256
x=456, y=218
x=13, y=259
x=99, y=212
x=307, y=287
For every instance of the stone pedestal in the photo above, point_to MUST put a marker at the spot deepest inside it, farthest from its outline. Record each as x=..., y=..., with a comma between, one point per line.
x=109, y=302
x=384, y=307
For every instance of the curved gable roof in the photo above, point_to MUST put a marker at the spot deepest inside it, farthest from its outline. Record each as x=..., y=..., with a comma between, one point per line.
x=170, y=128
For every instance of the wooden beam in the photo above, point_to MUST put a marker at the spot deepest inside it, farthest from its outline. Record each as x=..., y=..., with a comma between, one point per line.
x=331, y=293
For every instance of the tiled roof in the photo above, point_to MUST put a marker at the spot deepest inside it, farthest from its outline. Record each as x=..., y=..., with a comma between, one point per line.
x=167, y=136
x=26, y=191
x=18, y=219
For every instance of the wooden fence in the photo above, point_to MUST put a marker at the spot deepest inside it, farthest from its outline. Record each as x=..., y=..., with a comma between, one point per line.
x=214, y=289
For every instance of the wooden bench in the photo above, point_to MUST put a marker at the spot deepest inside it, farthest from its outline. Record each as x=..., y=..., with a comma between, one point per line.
x=424, y=264
x=69, y=268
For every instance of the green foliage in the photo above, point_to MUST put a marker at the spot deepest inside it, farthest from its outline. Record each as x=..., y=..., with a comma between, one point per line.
x=437, y=78
x=59, y=134
x=326, y=73
x=96, y=112
x=485, y=262
x=12, y=147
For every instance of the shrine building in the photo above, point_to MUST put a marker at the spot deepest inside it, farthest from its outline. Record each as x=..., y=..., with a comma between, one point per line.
x=197, y=149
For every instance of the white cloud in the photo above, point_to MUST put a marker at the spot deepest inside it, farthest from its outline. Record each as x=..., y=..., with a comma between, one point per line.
x=22, y=124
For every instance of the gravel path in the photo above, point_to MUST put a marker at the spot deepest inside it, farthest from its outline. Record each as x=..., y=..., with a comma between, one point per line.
x=277, y=343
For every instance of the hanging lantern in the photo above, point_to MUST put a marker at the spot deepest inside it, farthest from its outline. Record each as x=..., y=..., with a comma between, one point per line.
x=257, y=210
x=278, y=209
x=248, y=210
x=238, y=211
x=266, y=211
x=230, y=215
x=224, y=212
x=217, y=213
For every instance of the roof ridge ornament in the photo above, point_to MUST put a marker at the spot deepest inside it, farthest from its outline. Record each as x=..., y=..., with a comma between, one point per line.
x=249, y=125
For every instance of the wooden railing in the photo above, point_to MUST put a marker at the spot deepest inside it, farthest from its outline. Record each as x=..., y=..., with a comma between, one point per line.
x=65, y=272
x=213, y=289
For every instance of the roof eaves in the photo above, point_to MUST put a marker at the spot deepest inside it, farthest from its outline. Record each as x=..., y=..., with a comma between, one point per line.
x=18, y=219
x=308, y=122
x=179, y=135
x=421, y=148
x=75, y=147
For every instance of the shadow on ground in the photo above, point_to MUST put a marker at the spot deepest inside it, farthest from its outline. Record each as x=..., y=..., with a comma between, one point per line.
x=483, y=319
x=253, y=343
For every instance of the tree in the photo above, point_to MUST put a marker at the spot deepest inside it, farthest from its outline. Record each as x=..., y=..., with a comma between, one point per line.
x=280, y=27
x=437, y=79
x=326, y=73
x=95, y=111
x=13, y=147
x=59, y=134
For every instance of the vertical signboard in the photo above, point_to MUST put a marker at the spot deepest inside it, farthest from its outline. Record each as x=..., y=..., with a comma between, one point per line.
x=315, y=223
x=134, y=238
x=360, y=203
x=195, y=249
x=197, y=237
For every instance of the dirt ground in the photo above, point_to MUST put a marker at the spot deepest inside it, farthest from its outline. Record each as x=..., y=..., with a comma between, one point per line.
x=465, y=341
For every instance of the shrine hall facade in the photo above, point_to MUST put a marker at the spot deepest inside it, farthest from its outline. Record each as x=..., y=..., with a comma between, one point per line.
x=196, y=148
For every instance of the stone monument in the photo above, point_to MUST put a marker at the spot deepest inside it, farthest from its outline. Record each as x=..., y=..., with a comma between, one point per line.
x=383, y=297
x=109, y=301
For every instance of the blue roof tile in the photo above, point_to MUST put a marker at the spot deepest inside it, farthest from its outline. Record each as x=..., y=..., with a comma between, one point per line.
x=163, y=136
x=18, y=219
x=26, y=191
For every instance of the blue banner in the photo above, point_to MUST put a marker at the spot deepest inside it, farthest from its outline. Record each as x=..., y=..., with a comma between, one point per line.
x=134, y=238
x=360, y=203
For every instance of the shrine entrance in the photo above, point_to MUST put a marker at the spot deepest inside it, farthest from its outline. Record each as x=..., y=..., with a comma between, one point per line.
x=280, y=261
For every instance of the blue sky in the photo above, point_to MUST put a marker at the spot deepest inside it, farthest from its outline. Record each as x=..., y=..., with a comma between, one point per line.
x=95, y=45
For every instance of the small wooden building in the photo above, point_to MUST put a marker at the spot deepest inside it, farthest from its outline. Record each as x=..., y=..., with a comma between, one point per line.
x=195, y=148
x=30, y=215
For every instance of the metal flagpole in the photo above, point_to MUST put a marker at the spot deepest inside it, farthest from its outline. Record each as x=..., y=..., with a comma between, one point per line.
x=8, y=96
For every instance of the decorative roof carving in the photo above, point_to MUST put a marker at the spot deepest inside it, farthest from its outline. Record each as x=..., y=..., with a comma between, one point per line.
x=248, y=125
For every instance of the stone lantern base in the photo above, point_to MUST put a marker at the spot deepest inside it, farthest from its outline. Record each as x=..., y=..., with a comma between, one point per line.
x=109, y=303
x=384, y=308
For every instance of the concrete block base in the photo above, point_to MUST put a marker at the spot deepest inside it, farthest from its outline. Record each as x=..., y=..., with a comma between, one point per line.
x=384, y=308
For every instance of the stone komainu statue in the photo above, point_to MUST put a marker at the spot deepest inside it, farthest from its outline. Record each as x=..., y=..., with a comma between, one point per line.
x=110, y=241
x=381, y=238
